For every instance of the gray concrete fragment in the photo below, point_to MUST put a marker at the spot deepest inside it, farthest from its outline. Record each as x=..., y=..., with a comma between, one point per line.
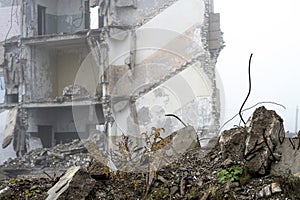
x=255, y=143
x=75, y=184
x=11, y=122
x=232, y=143
x=275, y=188
x=290, y=157
x=265, y=192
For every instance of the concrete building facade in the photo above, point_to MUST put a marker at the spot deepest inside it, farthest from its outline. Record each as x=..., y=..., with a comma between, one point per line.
x=146, y=59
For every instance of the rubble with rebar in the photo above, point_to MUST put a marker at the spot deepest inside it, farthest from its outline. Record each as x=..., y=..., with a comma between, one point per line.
x=239, y=166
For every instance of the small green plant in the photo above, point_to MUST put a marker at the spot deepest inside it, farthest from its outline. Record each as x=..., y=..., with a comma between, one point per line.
x=230, y=174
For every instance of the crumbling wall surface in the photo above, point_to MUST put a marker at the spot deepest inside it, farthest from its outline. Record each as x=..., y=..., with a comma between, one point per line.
x=59, y=118
x=13, y=72
x=70, y=19
x=254, y=144
x=31, y=17
x=60, y=16
x=42, y=77
x=126, y=14
x=166, y=63
x=67, y=65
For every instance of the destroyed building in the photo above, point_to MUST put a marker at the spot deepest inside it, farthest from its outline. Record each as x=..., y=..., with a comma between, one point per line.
x=64, y=80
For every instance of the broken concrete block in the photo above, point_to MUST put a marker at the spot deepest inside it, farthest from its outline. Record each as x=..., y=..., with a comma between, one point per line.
x=255, y=143
x=75, y=91
x=175, y=144
x=275, y=188
x=11, y=123
x=269, y=190
x=184, y=140
x=265, y=192
x=76, y=183
x=290, y=157
x=263, y=127
x=232, y=143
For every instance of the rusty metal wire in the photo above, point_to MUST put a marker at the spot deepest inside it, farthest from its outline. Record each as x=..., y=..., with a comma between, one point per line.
x=172, y=115
x=262, y=102
x=249, y=74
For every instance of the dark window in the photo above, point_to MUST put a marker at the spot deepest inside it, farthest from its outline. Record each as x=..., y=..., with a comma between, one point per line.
x=12, y=98
x=45, y=133
x=86, y=15
x=41, y=20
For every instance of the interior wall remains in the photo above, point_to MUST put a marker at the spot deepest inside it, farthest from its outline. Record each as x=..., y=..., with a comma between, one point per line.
x=43, y=74
x=68, y=64
x=62, y=16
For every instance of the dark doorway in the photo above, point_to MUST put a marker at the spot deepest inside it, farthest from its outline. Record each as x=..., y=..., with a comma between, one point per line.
x=65, y=137
x=41, y=20
x=45, y=133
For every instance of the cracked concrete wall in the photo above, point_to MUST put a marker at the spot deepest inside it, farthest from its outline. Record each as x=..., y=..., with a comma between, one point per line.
x=68, y=64
x=128, y=15
x=51, y=70
x=60, y=16
x=42, y=74
x=70, y=19
x=167, y=41
x=59, y=118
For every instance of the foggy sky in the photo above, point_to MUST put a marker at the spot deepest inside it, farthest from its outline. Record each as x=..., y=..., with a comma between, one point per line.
x=269, y=29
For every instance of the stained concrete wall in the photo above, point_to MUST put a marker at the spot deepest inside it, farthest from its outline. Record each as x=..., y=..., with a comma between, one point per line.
x=62, y=16
x=70, y=16
x=42, y=74
x=128, y=15
x=68, y=64
x=31, y=16
x=61, y=119
x=50, y=70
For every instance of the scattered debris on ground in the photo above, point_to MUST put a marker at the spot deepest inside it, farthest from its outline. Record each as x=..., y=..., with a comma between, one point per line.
x=240, y=166
x=61, y=156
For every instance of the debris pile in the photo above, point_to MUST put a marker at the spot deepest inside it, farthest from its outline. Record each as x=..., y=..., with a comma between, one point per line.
x=74, y=91
x=237, y=167
x=61, y=156
x=256, y=142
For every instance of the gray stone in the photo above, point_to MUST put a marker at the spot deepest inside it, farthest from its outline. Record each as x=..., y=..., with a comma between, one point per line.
x=289, y=158
x=173, y=190
x=275, y=188
x=233, y=143
x=263, y=127
x=265, y=192
x=255, y=143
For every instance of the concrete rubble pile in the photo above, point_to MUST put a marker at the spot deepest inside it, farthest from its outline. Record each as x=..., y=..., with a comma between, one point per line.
x=263, y=150
x=255, y=143
x=256, y=148
x=61, y=156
